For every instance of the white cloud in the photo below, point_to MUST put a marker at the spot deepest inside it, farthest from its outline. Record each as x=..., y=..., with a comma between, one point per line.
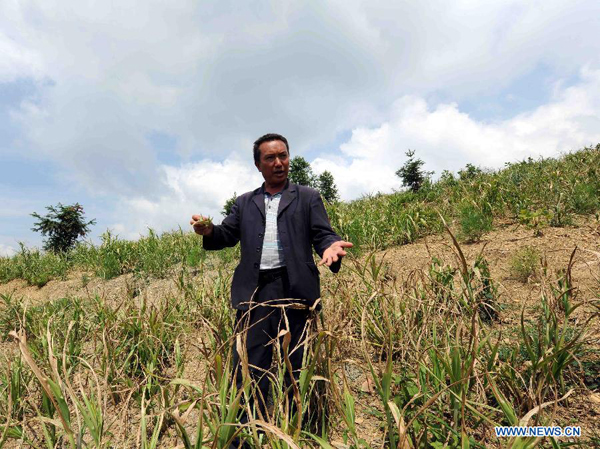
x=443, y=136
x=7, y=251
x=17, y=61
x=195, y=188
x=216, y=75
x=446, y=138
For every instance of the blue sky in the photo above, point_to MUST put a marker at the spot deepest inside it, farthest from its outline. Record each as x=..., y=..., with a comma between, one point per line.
x=145, y=112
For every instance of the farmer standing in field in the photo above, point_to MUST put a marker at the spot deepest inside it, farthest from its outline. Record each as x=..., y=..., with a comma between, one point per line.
x=277, y=224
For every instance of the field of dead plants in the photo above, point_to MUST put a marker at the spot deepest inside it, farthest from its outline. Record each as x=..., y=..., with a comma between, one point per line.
x=470, y=304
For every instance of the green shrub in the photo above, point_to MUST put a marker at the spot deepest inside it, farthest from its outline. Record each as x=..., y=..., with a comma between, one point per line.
x=469, y=172
x=474, y=222
x=412, y=174
x=34, y=266
x=63, y=225
x=524, y=263
x=486, y=291
x=586, y=198
x=56, y=315
x=114, y=257
x=535, y=220
x=8, y=269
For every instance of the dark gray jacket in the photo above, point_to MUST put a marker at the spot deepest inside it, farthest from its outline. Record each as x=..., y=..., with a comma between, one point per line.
x=301, y=223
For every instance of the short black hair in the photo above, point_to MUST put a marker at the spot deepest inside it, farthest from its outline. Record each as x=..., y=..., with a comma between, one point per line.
x=268, y=138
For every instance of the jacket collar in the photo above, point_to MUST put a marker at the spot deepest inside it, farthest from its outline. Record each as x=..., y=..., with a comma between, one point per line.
x=288, y=194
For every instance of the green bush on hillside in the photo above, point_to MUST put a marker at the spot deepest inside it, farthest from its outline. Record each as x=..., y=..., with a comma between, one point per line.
x=63, y=225
x=524, y=263
x=474, y=222
x=34, y=266
x=412, y=174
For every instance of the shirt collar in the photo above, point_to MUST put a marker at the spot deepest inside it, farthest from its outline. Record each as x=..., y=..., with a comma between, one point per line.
x=285, y=187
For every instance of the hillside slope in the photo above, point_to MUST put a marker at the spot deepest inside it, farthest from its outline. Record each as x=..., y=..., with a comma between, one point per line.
x=401, y=268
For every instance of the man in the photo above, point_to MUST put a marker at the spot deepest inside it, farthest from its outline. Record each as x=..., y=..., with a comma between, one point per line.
x=277, y=226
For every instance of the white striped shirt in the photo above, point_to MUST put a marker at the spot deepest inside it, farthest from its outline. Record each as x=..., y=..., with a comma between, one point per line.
x=272, y=251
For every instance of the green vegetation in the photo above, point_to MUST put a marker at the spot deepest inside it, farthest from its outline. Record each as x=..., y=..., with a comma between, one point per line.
x=547, y=192
x=524, y=262
x=154, y=371
x=559, y=189
x=34, y=266
x=63, y=225
x=440, y=375
x=412, y=174
x=229, y=204
x=301, y=172
x=326, y=185
x=474, y=221
x=150, y=256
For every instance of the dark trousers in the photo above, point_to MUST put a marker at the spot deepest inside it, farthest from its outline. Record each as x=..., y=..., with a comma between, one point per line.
x=260, y=327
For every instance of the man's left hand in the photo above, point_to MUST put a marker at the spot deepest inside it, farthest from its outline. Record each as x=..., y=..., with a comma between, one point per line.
x=335, y=252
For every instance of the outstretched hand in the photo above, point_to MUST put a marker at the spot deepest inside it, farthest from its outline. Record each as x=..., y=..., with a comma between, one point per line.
x=335, y=252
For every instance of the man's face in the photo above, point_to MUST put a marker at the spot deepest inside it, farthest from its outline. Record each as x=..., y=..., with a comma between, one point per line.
x=274, y=162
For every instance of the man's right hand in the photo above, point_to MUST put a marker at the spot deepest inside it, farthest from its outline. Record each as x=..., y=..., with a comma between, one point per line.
x=202, y=225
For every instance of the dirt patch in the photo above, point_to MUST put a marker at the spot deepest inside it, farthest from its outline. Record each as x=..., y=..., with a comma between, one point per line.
x=555, y=247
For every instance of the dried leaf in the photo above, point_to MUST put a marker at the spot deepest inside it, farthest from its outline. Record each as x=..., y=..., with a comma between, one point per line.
x=368, y=386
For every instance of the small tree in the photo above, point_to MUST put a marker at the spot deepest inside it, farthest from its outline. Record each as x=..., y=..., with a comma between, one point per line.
x=326, y=185
x=411, y=172
x=63, y=225
x=228, y=205
x=301, y=172
x=469, y=172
